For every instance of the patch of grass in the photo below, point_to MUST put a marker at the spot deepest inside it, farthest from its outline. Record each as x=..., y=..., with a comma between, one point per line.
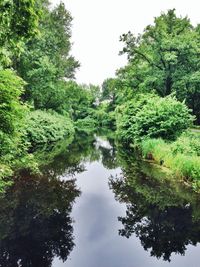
x=154, y=149
x=181, y=156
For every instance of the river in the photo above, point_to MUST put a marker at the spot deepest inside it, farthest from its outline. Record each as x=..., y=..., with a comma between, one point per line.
x=97, y=205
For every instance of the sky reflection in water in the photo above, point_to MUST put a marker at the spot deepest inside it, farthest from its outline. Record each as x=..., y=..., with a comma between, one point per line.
x=37, y=227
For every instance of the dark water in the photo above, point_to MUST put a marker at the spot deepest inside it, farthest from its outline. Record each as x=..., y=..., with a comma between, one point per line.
x=96, y=205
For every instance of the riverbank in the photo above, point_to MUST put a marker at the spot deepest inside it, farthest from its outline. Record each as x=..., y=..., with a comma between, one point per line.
x=61, y=211
x=181, y=156
x=41, y=131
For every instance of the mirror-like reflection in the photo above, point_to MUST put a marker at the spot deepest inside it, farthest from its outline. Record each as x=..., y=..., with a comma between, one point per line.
x=160, y=212
x=35, y=222
x=67, y=160
x=154, y=211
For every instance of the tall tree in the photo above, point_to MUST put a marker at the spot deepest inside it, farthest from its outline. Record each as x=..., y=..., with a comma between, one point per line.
x=18, y=22
x=109, y=90
x=47, y=60
x=165, y=59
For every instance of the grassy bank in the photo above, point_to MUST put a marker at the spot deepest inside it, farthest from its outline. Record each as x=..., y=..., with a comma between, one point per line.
x=181, y=156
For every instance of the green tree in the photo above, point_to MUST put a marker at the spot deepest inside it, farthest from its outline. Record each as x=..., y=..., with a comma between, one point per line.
x=18, y=23
x=46, y=61
x=109, y=90
x=80, y=100
x=165, y=59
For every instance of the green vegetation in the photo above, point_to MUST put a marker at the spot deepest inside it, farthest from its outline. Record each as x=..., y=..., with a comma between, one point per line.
x=46, y=59
x=156, y=95
x=157, y=210
x=181, y=156
x=47, y=127
x=18, y=24
x=164, y=59
x=152, y=116
x=11, y=112
x=105, y=117
x=40, y=103
x=87, y=124
x=37, y=90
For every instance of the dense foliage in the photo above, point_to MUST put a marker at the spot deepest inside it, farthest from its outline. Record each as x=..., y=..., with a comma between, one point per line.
x=151, y=116
x=40, y=103
x=35, y=63
x=165, y=59
x=18, y=23
x=46, y=60
x=12, y=112
x=105, y=118
x=158, y=90
x=45, y=127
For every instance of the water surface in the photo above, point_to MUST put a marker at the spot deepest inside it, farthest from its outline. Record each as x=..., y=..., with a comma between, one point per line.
x=96, y=205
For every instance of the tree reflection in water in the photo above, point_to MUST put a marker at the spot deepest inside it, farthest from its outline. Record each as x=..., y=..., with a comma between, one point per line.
x=161, y=216
x=35, y=222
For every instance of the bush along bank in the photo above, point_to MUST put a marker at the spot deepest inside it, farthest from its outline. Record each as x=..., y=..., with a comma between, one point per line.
x=47, y=127
x=31, y=76
x=148, y=115
x=158, y=126
x=39, y=128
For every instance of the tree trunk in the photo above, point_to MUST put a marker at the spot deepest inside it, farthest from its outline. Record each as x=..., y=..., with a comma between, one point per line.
x=168, y=85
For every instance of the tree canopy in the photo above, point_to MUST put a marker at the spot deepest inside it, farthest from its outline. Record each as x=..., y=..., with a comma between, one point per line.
x=165, y=59
x=18, y=22
x=46, y=60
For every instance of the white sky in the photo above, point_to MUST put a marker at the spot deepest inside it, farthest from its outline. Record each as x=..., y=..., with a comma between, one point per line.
x=98, y=24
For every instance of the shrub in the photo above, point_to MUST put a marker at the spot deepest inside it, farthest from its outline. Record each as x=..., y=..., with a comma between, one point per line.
x=153, y=117
x=47, y=127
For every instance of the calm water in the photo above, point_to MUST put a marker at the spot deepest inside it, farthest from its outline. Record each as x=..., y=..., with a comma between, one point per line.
x=98, y=206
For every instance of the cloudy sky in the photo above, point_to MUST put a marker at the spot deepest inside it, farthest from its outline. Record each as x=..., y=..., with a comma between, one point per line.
x=98, y=24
